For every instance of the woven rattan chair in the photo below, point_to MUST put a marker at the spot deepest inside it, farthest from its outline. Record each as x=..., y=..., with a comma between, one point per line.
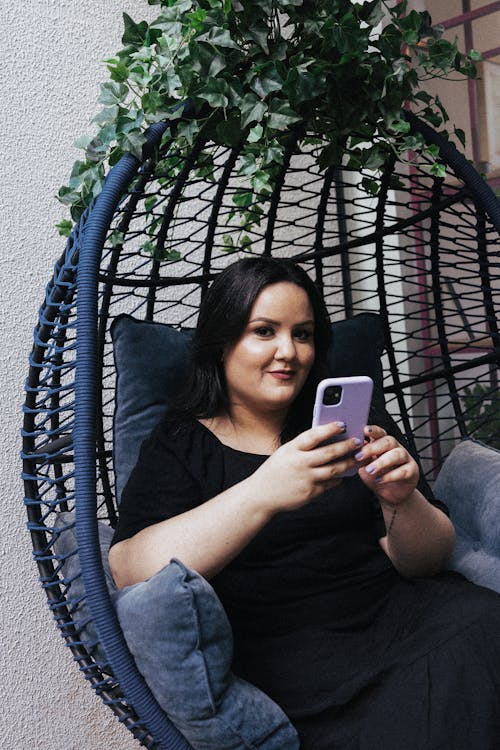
x=423, y=253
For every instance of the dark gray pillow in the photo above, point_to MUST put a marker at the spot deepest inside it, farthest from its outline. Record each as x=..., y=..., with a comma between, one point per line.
x=181, y=639
x=469, y=483
x=65, y=546
x=150, y=361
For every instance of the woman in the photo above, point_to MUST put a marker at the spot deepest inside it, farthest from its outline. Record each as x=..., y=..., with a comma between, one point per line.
x=333, y=587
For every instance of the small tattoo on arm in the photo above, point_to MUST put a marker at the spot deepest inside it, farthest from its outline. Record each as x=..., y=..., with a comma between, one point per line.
x=391, y=522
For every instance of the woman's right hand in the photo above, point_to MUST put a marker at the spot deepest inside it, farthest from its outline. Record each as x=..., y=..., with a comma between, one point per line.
x=304, y=468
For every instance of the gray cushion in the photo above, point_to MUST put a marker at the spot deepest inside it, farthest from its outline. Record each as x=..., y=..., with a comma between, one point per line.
x=469, y=483
x=181, y=639
x=150, y=361
x=65, y=546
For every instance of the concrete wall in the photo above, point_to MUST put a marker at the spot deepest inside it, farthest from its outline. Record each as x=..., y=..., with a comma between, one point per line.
x=51, y=54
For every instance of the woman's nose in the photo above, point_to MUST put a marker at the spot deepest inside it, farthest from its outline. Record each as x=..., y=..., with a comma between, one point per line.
x=285, y=348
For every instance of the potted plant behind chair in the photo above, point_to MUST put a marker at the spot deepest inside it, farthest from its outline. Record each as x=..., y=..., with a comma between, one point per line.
x=342, y=74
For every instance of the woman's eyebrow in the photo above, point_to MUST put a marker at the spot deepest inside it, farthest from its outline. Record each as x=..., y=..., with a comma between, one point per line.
x=277, y=322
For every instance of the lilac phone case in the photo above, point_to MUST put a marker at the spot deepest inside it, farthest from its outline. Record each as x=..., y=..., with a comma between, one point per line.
x=353, y=407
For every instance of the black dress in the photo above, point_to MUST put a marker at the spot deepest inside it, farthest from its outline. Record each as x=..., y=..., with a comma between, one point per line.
x=357, y=656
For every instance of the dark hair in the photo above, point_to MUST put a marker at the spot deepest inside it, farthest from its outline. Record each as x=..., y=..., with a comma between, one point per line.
x=223, y=316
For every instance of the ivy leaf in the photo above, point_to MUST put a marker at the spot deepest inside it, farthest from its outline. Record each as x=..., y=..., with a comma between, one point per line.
x=64, y=227
x=106, y=115
x=83, y=142
x=252, y=110
x=150, y=203
x=261, y=182
x=118, y=70
x=116, y=238
x=197, y=19
x=266, y=81
x=255, y=134
x=228, y=246
x=218, y=38
x=215, y=93
x=347, y=36
x=331, y=156
x=248, y=165
x=228, y=132
x=135, y=33
x=172, y=255
x=438, y=170
x=281, y=115
x=151, y=101
x=274, y=153
x=243, y=198
x=396, y=183
x=204, y=61
x=397, y=125
x=460, y=135
x=133, y=142
x=375, y=157
x=115, y=156
x=413, y=142
x=189, y=130
x=259, y=33
x=112, y=93
x=432, y=150
x=371, y=186
x=372, y=13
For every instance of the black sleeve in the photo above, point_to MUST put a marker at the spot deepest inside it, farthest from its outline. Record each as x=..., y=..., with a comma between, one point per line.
x=160, y=486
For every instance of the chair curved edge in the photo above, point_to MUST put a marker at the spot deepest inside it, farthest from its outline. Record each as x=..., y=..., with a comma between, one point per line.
x=135, y=689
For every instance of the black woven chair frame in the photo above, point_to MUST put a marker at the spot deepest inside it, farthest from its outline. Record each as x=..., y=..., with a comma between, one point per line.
x=423, y=253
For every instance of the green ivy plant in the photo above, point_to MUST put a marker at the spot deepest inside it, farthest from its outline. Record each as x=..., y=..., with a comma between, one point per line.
x=339, y=72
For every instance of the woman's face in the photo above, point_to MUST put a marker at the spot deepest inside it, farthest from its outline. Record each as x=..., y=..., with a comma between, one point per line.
x=268, y=365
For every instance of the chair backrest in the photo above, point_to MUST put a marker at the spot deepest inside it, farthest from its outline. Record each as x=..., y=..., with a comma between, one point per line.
x=421, y=252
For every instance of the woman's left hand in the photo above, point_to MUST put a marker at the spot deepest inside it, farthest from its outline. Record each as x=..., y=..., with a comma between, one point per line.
x=386, y=467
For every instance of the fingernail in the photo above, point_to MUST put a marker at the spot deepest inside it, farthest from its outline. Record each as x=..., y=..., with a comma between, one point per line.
x=358, y=456
x=357, y=442
x=341, y=425
x=370, y=469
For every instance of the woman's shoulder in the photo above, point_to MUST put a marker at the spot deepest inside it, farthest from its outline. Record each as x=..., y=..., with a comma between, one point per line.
x=185, y=436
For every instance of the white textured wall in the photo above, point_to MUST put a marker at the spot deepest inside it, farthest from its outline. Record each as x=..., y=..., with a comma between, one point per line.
x=51, y=54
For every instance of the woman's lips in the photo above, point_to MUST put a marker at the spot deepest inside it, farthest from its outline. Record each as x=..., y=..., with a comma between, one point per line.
x=282, y=374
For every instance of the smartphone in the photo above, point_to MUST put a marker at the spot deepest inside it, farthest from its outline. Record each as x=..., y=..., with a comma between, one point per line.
x=344, y=400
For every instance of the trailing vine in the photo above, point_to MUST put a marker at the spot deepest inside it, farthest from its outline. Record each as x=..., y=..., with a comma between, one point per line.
x=341, y=73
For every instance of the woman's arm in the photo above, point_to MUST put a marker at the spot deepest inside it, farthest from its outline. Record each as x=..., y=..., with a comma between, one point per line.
x=420, y=537
x=208, y=537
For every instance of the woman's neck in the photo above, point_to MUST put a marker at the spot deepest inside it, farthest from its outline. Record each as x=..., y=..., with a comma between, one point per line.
x=246, y=431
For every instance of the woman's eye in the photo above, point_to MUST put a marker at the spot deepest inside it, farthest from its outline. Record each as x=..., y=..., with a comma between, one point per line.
x=303, y=335
x=264, y=331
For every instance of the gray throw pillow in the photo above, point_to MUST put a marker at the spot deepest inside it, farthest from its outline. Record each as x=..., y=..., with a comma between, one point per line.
x=181, y=639
x=469, y=483
x=65, y=546
x=151, y=359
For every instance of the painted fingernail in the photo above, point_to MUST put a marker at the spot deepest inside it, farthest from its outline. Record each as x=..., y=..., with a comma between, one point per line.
x=359, y=456
x=357, y=442
x=341, y=425
x=370, y=469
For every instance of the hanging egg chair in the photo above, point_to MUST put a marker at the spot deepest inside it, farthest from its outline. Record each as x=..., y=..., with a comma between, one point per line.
x=419, y=252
